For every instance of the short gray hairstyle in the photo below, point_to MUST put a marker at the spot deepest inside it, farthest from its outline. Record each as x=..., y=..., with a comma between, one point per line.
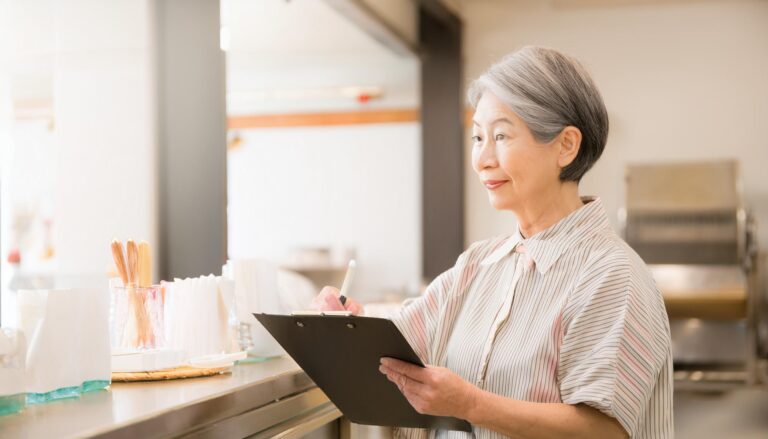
x=549, y=91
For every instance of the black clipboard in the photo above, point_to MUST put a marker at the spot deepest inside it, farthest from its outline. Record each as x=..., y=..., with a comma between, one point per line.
x=341, y=354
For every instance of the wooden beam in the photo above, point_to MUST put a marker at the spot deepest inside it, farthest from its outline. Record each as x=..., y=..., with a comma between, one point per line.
x=322, y=119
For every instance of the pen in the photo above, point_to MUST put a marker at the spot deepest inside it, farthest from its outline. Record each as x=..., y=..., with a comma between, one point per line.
x=347, y=280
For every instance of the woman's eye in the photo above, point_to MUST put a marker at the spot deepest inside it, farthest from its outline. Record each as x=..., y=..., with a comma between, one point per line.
x=500, y=137
x=476, y=139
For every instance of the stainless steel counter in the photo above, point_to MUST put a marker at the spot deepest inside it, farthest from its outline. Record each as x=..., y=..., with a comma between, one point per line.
x=263, y=400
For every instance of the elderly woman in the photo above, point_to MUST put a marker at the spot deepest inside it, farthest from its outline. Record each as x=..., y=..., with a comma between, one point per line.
x=558, y=329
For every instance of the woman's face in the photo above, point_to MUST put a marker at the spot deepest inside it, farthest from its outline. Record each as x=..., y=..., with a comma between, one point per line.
x=511, y=164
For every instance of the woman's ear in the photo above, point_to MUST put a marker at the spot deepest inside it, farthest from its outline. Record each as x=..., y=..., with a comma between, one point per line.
x=570, y=142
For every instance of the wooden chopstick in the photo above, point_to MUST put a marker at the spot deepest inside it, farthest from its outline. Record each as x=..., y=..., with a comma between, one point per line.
x=145, y=265
x=117, y=256
x=139, y=313
x=133, y=262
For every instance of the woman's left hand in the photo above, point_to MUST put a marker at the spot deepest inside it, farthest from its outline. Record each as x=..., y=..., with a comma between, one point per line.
x=431, y=390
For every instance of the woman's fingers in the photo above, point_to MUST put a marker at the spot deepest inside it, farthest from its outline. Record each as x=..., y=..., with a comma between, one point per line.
x=407, y=385
x=332, y=303
x=431, y=390
x=354, y=307
x=328, y=290
x=402, y=367
x=391, y=375
x=327, y=300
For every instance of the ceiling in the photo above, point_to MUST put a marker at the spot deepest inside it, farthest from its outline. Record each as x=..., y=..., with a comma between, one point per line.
x=277, y=49
x=291, y=27
x=297, y=55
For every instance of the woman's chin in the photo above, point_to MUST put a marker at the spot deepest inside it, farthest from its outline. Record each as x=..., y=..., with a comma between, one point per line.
x=500, y=203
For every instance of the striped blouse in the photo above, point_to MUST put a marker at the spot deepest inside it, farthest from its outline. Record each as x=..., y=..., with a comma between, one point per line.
x=568, y=315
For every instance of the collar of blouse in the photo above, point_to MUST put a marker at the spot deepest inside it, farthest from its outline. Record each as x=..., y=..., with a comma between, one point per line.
x=546, y=247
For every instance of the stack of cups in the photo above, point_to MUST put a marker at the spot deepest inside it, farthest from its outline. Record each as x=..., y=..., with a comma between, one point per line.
x=199, y=316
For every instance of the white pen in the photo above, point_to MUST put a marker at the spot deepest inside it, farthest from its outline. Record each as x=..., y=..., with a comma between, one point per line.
x=347, y=281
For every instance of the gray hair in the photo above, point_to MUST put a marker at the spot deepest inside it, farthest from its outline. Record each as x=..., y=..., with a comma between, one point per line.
x=549, y=91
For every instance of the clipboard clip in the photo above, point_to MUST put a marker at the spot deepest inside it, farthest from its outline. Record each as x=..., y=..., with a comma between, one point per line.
x=322, y=313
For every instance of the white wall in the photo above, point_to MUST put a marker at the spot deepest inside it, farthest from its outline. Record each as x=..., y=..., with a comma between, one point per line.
x=92, y=61
x=6, y=123
x=352, y=186
x=104, y=115
x=356, y=186
x=400, y=15
x=253, y=82
x=681, y=80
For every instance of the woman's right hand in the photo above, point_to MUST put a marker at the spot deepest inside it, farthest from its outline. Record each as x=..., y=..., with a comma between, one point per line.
x=328, y=300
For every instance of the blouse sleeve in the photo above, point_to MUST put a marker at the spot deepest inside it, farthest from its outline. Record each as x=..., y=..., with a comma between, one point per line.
x=616, y=341
x=423, y=320
x=418, y=319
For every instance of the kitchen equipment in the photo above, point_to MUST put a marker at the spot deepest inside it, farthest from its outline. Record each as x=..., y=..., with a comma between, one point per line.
x=689, y=224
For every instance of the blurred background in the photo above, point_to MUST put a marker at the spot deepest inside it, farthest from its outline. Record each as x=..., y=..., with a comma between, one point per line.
x=309, y=132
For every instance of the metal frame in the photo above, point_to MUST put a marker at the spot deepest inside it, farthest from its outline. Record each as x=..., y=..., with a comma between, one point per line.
x=289, y=418
x=283, y=397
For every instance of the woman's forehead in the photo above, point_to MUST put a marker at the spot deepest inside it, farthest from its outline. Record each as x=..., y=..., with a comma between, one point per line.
x=490, y=110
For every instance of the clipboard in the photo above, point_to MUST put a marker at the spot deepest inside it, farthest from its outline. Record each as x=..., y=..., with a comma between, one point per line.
x=341, y=354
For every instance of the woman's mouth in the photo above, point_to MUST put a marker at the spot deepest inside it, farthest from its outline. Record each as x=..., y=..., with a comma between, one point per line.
x=493, y=184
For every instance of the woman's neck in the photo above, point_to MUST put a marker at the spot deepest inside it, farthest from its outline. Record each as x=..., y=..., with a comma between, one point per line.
x=539, y=214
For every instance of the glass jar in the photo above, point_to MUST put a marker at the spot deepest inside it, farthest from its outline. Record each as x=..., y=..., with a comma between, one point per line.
x=136, y=317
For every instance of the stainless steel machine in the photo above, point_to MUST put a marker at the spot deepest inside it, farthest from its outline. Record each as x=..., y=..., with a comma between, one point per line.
x=689, y=224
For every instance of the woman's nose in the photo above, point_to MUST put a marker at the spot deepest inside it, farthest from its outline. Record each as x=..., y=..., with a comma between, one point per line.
x=486, y=156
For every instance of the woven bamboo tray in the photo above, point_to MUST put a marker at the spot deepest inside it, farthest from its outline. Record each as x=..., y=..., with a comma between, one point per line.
x=168, y=374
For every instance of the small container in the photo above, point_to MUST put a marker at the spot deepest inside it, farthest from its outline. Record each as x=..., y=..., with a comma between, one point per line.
x=69, y=351
x=136, y=317
x=33, y=307
x=13, y=352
